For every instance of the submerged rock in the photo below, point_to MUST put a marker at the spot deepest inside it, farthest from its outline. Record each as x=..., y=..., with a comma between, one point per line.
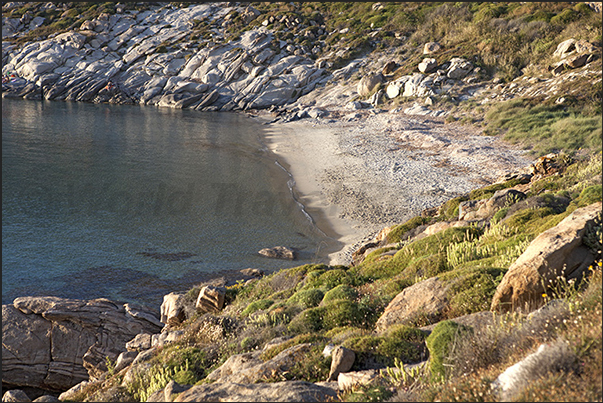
x=278, y=252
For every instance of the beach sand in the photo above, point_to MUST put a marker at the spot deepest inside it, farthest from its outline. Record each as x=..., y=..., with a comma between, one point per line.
x=365, y=171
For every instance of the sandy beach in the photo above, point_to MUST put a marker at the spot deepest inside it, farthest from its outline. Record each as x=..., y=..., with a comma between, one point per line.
x=365, y=171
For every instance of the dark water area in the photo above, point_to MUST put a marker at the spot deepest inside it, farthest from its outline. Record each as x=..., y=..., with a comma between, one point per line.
x=130, y=203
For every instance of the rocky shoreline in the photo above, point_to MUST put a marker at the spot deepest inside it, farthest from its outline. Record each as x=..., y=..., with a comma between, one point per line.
x=359, y=167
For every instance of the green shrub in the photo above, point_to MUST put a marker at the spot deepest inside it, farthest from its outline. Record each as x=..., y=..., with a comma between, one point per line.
x=423, y=258
x=450, y=209
x=257, y=306
x=471, y=290
x=565, y=17
x=488, y=191
x=500, y=214
x=309, y=320
x=272, y=352
x=544, y=128
x=402, y=342
x=440, y=344
x=376, y=254
x=328, y=279
x=398, y=231
x=589, y=195
x=524, y=220
x=342, y=291
x=307, y=298
x=345, y=313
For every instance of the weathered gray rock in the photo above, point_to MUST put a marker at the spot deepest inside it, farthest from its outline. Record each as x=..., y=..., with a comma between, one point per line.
x=278, y=252
x=292, y=391
x=342, y=361
x=459, y=68
x=576, y=61
x=173, y=308
x=74, y=390
x=368, y=83
x=555, y=252
x=55, y=343
x=411, y=86
x=427, y=298
x=140, y=342
x=15, y=395
x=46, y=398
x=351, y=380
x=473, y=210
x=124, y=359
x=389, y=68
x=393, y=89
x=263, y=56
x=428, y=66
x=248, y=368
x=584, y=46
x=208, y=100
x=234, y=365
x=564, y=47
x=431, y=47
x=551, y=357
x=211, y=299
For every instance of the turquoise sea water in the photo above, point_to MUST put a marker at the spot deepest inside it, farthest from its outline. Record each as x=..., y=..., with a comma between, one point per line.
x=130, y=203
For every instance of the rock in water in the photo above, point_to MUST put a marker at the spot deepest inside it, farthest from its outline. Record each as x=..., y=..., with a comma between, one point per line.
x=278, y=252
x=368, y=83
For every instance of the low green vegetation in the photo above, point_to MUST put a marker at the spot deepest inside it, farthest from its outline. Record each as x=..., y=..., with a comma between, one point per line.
x=320, y=304
x=545, y=128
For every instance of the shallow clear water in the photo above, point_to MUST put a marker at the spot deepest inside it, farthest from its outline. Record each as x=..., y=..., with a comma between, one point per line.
x=130, y=203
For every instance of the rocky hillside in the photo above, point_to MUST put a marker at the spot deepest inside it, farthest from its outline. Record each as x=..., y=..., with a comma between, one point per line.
x=307, y=59
x=493, y=296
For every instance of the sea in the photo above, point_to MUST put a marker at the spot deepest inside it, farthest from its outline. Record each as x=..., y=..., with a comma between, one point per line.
x=130, y=202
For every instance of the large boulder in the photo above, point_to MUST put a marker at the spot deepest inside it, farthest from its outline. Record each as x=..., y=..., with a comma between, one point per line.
x=565, y=47
x=173, y=308
x=15, y=395
x=351, y=380
x=459, y=68
x=550, y=357
x=292, y=391
x=427, y=298
x=428, y=66
x=55, y=343
x=211, y=299
x=368, y=83
x=248, y=368
x=342, y=360
x=556, y=252
x=431, y=47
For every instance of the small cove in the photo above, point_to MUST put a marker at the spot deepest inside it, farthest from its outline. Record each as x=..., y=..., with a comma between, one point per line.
x=131, y=203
